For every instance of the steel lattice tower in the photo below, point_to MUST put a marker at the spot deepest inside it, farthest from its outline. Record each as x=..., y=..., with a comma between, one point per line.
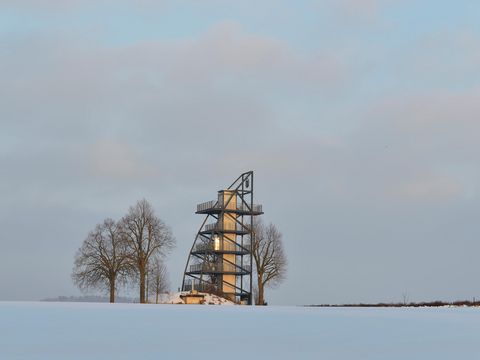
x=220, y=260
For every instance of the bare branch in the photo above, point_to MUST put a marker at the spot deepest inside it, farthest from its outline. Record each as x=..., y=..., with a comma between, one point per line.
x=102, y=260
x=147, y=237
x=269, y=258
x=157, y=278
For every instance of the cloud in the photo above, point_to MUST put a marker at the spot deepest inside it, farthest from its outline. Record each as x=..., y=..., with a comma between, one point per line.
x=147, y=114
x=432, y=189
x=440, y=59
x=340, y=152
x=438, y=121
x=424, y=144
x=44, y=4
x=358, y=10
x=159, y=97
x=51, y=4
x=115, y=160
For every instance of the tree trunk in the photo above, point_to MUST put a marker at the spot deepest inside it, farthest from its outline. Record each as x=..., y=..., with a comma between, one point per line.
x=142, y=285
x=146, y=286
x=156, y=297
x=261, y=299
x=112, y=289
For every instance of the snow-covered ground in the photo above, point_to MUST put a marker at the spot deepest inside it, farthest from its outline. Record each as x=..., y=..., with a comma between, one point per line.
x=31, y=330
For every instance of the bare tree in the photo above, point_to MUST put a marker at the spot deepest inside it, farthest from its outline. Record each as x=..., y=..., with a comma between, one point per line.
x=269, y=258
x=102, y=260
x=157, y=278
x=147, y=236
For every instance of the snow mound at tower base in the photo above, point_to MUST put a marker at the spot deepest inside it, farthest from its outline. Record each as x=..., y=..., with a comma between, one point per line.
x=209, y=299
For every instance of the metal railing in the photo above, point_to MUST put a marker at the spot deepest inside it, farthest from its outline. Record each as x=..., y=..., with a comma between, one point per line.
x=212, y=204
x=226, y=246
x=218, y=267
x=232, y=226
x=255, y=208
x=201, y=286
x=206, y=205
x=213, y=226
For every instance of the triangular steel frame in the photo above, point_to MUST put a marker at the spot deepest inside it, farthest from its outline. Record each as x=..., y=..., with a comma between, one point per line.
x=206, y=264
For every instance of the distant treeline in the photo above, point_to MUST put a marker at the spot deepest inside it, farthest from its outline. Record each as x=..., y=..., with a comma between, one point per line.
x=91, y=298
x=436, y=303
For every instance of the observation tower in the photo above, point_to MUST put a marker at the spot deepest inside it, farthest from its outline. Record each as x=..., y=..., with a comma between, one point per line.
x=220, y=260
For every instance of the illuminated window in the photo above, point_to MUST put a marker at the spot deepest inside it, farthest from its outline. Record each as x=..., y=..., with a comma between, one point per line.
x=216, y=242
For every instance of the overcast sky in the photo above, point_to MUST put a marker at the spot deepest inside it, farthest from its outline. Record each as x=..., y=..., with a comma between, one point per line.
x=360, y=119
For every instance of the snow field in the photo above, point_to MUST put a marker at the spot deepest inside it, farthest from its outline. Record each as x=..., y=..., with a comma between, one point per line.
x=36, y=330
